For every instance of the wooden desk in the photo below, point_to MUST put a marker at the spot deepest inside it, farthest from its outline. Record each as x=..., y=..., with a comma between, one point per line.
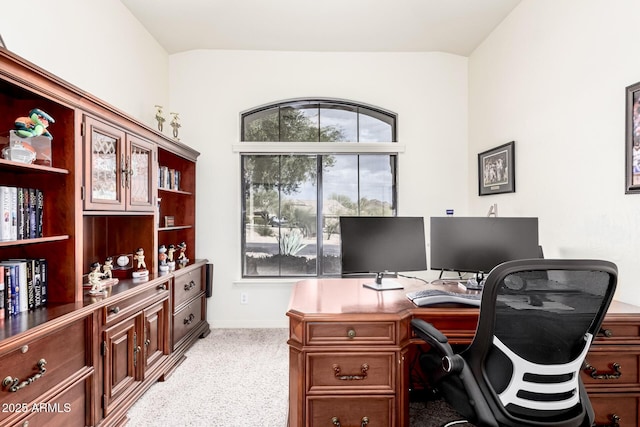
x=349, y=351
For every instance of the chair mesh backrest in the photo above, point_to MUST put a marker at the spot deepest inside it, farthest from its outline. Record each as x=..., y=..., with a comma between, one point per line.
x=546, y=314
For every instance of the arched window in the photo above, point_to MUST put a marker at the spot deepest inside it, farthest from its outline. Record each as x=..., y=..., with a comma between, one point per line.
x=321, y=159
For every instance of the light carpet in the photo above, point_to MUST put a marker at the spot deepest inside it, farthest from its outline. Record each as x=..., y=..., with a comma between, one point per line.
x=236, y=378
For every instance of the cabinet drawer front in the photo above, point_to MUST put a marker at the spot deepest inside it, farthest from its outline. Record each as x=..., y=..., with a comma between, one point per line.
x=622, y=408
x=351, y=411
x=187, y=319
x=377, y=333
x=66, y=410
x=611, y=332
x=358, y=372
x=62, y=353
x=187, y=286
x=607, y=369
x=122, y=309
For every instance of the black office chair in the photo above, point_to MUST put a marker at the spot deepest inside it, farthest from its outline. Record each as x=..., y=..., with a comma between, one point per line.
x=523, y=366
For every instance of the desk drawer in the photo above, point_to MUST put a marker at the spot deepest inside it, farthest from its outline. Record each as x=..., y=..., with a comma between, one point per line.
x=120, y=310
x=186, y=286
x=621, y=408
x=327, y=333
x=62, y=353
x=187, y=318
x=614, y=332
x=611, y=369
x=351, y=411
x=358, y=372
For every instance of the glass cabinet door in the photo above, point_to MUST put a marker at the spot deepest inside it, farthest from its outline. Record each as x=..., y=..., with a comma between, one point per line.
x=139, y=174
x=105, y=161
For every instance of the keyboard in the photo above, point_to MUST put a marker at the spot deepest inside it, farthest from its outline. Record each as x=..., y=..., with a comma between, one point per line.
x=427, y=297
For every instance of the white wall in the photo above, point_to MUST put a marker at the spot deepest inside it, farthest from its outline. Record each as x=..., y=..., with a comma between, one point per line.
x=552, y=77
x=97, y=46
x=428, y=91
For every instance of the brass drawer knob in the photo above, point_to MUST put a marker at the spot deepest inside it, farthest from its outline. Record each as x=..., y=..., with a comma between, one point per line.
x=114, y=310
x=351, y=334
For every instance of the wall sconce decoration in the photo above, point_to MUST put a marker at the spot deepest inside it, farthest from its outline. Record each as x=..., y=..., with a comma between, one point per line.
x=175, y=125
x=159, y=117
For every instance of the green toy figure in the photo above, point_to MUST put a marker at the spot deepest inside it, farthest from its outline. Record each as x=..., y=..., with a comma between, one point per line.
x=34, y=125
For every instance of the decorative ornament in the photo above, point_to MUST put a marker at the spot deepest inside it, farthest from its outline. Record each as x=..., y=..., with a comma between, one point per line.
x=175, y=125
x=159, y=117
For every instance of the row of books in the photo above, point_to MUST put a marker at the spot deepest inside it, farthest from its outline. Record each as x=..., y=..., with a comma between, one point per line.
x=23, y=285
x=168, y=178
x=21, y=211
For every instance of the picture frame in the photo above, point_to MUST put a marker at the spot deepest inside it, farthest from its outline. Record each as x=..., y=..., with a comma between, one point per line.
x=632, y=139
x=496, y=170
x=169, y=221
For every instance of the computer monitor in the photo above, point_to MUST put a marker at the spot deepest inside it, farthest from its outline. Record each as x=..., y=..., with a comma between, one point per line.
x=382, y=244
x=478, y=244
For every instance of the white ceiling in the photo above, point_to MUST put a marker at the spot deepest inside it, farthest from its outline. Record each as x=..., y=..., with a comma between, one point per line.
x=454, y=26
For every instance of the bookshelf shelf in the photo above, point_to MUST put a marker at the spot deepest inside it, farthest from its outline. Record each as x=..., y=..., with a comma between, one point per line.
x=17, y=167
x=33, y=241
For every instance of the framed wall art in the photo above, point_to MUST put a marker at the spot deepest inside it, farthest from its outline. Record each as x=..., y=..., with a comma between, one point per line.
x=496, y=170
x=632, y=136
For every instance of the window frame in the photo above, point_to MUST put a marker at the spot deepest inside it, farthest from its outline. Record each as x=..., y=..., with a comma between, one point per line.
x=245, y=148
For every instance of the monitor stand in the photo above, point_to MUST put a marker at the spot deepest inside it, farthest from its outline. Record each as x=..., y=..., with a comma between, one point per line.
x=383, y=285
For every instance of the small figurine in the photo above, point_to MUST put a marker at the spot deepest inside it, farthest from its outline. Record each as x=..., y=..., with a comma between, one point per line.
x=170, y=261
x=95, y=277
x=142, y=267
x=107, y=267
x=34, y=125
x=175, y=125
x=162, y=258
x=182, y=256
x=159, y=117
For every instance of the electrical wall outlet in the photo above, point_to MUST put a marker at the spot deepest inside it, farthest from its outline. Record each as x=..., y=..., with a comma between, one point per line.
x=244, y=298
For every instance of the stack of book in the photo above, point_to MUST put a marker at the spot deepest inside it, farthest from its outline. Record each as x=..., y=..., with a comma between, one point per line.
x=168, y=178
x=21, y=211
x=23, y=285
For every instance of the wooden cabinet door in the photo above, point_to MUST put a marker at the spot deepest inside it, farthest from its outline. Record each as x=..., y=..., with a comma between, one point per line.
x=156, y=333
x=104, y=165
x=120, y=353
x=139, y=174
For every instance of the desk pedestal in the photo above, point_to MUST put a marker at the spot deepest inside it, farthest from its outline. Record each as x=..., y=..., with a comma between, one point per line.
x=351, y=349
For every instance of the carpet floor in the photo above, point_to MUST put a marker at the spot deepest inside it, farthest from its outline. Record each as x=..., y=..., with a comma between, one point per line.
x=236, y=378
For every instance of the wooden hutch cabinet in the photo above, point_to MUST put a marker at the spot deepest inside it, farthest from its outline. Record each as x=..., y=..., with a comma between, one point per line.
x=102, y=197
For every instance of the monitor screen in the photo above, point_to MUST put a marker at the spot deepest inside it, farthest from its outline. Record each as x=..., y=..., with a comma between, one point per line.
x=477, y=244
x=382, y=244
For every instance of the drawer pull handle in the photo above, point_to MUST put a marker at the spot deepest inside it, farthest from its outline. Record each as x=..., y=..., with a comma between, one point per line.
x=162, y=287
x=14, y=384
x=614, y=422
x=593, y=372
x=606, y=332
x=189, y=319
x=336, y=421
x=114, y=310
x=351, y=333
x=189, y=286
x=363, y=370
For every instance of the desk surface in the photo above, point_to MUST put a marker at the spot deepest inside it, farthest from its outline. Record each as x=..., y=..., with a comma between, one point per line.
x=348, y=296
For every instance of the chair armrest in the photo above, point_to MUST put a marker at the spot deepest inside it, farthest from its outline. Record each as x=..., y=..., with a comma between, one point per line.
x=430, y=334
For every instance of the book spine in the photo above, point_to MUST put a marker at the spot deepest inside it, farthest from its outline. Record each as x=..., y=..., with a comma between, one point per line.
x=5, y=213
x=8, y=290
x=13, y=191
x=37, y=284
x=33, y=224
x=2, y=294
x=44, y=281
x=31, y=299
x=20, y=219
x=15, y=290
x=25, y=231
x=39, y=212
